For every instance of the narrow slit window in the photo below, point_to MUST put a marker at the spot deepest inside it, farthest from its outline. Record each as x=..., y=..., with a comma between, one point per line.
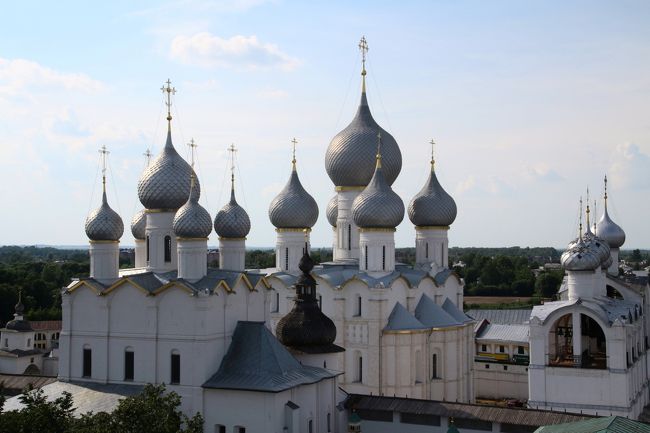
x=168, y=249
x=286, y=259
x=383, y=257
x=349, y=237
x=176, y=369
x=129, y=364
x=147, y=247
x=434, y=366
x=87, y=363
x=426, y=250
x=365, y=254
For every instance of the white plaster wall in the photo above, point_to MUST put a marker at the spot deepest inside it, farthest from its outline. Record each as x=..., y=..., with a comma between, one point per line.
x=232, y=254
x=372, y=244
x=347, y=247
x=496, y=383
x=192, y=258
x=104, y=260
x=437, y=251
x=140, y=253
x=159, y=225
x=294, y=241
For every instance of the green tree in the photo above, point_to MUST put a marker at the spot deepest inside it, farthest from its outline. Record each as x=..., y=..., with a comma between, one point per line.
x=636, y=256
x=548, y=283
x=39, y=415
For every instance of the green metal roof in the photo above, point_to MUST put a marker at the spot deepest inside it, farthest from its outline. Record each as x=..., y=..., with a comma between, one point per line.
x=610, y=424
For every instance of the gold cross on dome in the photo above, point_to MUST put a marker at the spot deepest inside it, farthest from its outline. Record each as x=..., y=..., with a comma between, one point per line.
x=294, y=142
x=148, y=156
x=169, y=90
x=192, y=145
x=363, y=47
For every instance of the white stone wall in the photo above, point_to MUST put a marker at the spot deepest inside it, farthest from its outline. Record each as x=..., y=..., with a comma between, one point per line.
x=347, y=232
x=232, y=254
x=377, y=250
x=159, y=226
x=431, y=246
x=192, y=258
x=289, y=248
x=104, y=260
x=494, y=382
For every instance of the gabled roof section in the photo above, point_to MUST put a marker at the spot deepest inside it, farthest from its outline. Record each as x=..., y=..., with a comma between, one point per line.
x=451, y=309
x=401, y=320
x=499, y=332
x=519, y=316
x=432, y=315
x=613, y=424
x=91, y=283
x=256, y=361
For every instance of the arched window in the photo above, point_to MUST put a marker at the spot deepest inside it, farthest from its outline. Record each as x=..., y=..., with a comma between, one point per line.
x=168, y=249
x=147, y=248
x=434, y=366
x=418, y=366
x=129, y=363
x=359, y=372
x=276, y=302
x=87, y=364
x=175, y=368
x=358, y=306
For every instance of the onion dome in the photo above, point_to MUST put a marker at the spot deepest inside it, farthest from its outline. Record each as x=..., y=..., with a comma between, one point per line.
x=139, y=225
x=165, y=183
x=305, y=327
x=19, y=323
x=599, y=246
x=608, y=230
x=580, y=257
x=293, y=207
x=607, y=263
x=333, y=210
x=232, y=220
x=378, y=206
x=192, y=220
x=350, y=157
x=432, y=206
x=104, y=224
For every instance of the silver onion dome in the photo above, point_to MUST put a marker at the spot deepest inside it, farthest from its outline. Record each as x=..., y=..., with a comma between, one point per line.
x=232, y=221
x=333, y=210
x=139, y=225
x=350, y=157
x=432, y=206
x=378, y=206
x=165, y=183
x=599, y=246
x=192, y=220
x=609, y=231
x=293, y=207
x=607, y=263
x=104, y=224
x=580, y=257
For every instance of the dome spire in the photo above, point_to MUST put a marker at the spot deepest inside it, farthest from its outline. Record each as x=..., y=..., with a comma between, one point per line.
x=580, y=224
x=169, y=90
x=104, y=153
x=605, y=193
x=232, y=149
x=104, y=224
x=587, y=212
x=433, y=160
x=293, y=159
x=378, y=150
x=363, y=47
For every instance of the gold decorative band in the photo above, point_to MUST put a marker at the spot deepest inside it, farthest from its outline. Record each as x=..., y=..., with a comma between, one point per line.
x=221, y=238
x=160, y=210
x=293, y=230
x=349, y=188
x=104, y=242
x=191, y=239
x=432, y=227
x=377, y=229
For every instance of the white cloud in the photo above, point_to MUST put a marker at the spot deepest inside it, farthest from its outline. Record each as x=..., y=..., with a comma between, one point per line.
x=207, y=50
x=272, y=94
x=630, y=167
x=541, y=172
x=18, y=75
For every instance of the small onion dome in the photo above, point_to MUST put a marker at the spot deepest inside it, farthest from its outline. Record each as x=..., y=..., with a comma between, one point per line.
x=432, y=206
x=378, y=206
x=165, y=183
x=293, y=207
x=609, y=231
x=139, y=224
x=350, y=157
x=597, y=244
x=232, y=220
x=192, y=220
x=333, y=210
x=104, y=224
x=19, y=323
x=580, y=257
x=305, y=327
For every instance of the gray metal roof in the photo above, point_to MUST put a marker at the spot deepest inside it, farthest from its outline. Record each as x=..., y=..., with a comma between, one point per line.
x=103, y=223
x=293, y=207
x=432, y=206
x=432, y=315
x=350, y=157
x=506, y=333
x=609, y=231
x=607, y=309
x=332, y=211
x=86, y=396
x=192, y=220
x=400, y=319
x=257, y=361
x=504, y=317
x=451, y=309
x=232, y=220
x=521, y=416
x=139, y=224
x=378, y=206
x=165, y=183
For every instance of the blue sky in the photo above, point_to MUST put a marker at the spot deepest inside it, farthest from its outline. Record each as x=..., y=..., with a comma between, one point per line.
x=530, y=103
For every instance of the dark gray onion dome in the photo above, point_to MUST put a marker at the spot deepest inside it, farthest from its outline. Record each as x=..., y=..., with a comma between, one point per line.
x=104, y=224
x=305, y=327
x=609, y=231
x=350, y=157
x=378, y=206
x=333, y=210
x=192, y=220
x=165, y=183
x=232, y=220
x=432, y=206
x=139, y=225
x=293, y=207
x=19, y=323
x=580, y=257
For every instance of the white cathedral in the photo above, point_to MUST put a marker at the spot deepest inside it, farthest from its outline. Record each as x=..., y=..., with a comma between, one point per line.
x=275, y=350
